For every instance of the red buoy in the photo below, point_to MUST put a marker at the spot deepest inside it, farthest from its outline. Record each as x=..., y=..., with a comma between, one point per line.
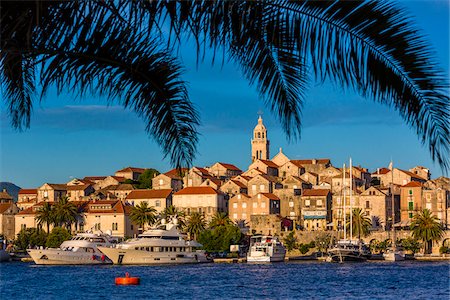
x=127, y=280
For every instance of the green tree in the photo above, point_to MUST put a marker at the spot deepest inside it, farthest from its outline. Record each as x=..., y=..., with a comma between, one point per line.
x=30, y=238
x=220, y=238
x=323, y=241
x=195, y=225
x=145, y=179
x=143, y=214
x=220, y=219
x=426, y=228
x=411, y=244
x=372, y=47
x=361, y=223
x=65, y=213
x=290, y=241
x=57, y=236
x=171, y=211
x=45, y=215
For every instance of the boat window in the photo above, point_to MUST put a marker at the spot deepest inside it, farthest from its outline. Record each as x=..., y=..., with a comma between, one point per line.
x=169, y=238
x=136, y=248
x=151, y=249
x=156, y=258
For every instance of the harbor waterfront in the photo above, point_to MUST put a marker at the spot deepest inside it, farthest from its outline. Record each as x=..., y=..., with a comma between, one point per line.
x=408, y=279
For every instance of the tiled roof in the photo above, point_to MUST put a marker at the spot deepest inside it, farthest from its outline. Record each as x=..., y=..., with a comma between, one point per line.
x=297, y=163
x=80, y=187
x=116, y=207
x=5, y=195
x=270, y=196
x=269, y=163
x=412, y=174
x=132, y=169
x=120, y=179
x=216, y=181
x=120, y=187
x=149, y=194
x=413, y=184
x=316, y=192
x=312, y=173
x=203, y=171
x=205, y=190
x=4, y=207
x=175, y=173
x=323, y=161
x=57, y=186
x=230, y=166
x=238, y=183
x=27, y=191
x=381, y=171
x=94, y=178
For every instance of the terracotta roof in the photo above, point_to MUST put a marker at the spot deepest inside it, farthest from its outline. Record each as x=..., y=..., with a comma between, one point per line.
x=149, y=194
x=28, y=211
x=323, y=161
x=27, y=191
x=4, y=207
x=132, y=169
x=197, y=190
x=80, y=187
x=270, y=196
x=58, y=186
x=269, y=163
x=203, y=171
x=296, y=163
x=230, y=166
x=27, y=201
x=120, y=179
x=381, y=171
x=216, y=181
x=120, y=187
x=240, y=184
x=94, y=178
x=116, y=207
x=5, y=195
x=175, y=173
x=316, y=192
x=413, y=184
x=412, y=174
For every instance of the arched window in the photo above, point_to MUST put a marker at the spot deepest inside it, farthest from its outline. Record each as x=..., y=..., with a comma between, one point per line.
x=257, y=154
x=259, y=135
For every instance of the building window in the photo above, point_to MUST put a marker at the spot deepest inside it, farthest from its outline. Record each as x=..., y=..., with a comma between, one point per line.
x=161, y=182
x=23, y=226
x=234, y=205
x=410, y=192
x=244, y=205
x=254, y=187
x=261, y=188
x=410, y=215
x=263, y=205
x=244, y=216
x=255, y=204
x=235, y=216
x=158, y=203
x=367, y=204
x=319, y=202
x=429, y=206
x=115, y=226
x=410, y=206
x=291, y=204
x=307, y=202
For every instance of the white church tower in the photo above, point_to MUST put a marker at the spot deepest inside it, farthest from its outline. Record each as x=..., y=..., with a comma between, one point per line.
x=260, y=143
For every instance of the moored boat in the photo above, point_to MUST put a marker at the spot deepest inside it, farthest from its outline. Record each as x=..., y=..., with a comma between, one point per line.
x=82, y=249
x=265, y=249
x=394, y=255
x=163, y=244
x=349, y=250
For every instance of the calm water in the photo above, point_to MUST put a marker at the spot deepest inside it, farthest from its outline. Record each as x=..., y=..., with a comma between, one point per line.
x=407, y=280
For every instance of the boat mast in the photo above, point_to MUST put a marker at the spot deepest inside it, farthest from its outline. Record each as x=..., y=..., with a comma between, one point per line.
x=351, y=200
x=394, y=242
x=343, y=187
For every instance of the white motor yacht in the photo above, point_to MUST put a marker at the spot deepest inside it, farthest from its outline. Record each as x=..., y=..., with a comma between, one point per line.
x=80, y=250
x=393, y=254
x=265, y=249
x=163, y=244
x=349, y=250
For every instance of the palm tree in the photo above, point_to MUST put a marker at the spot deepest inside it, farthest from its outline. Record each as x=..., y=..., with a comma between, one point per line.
x=171, y=211
x=66, y=213
x=195, y=225
x=143, y=214
x=117, y=49
x=220, y=219
x=361, y=223
x=426, y=228
x=45, y=215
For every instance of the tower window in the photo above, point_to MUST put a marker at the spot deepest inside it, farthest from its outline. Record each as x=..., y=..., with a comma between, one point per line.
x=259, y=134
x=263, y=135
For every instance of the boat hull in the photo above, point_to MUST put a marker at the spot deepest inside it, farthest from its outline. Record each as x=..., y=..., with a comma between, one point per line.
x=141, y=257
x=342, y=255
x=61, y=257
x=276, y=258
x=394, y=256
x=4, y=256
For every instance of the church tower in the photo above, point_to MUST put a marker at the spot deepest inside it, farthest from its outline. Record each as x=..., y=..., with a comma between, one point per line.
x=260, y=143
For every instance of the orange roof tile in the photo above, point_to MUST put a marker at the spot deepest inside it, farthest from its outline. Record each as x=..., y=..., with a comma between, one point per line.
x=132, y=169
x=316, y=192
x=412, y=174
x=4, y=207
x=94, y=178
x=5, y=195
x=297, y=163
x=149, y=194
x=27, y=191
x=240, y=184
x=381, y=171
x=412, y=184
x=175, y=173
x=323, y=161
x=269, y=163
x=230, y=166
x=270, y=196
x=78, y=187
x=197, y=190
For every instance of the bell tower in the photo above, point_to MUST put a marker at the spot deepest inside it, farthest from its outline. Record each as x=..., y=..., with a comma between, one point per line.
x=260, y=143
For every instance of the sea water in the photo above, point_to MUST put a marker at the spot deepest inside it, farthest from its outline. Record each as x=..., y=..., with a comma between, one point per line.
x=302, y=280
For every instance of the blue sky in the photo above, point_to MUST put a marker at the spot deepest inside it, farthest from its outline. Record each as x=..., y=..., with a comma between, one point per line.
x=85, y=137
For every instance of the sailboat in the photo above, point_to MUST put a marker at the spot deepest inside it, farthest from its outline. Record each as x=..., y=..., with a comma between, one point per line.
x=348, y=249
x=393, y=253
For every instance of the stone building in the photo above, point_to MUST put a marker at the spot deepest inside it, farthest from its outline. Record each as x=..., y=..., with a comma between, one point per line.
x=26, y=198
x=242, y=206
x=260, y=142
x=410, y=202
x=7, y=211
x=131, y=173
x=205, y=200
x=223, y=170
x=266, y=166
x=51, y=192
x=316, y=209
x=172, y=179
x=158, y=199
